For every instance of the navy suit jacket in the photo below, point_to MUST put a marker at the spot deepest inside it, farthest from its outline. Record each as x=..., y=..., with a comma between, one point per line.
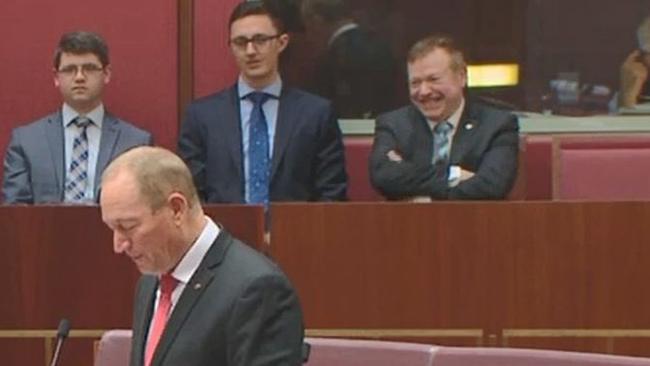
x=34, y=164
x=486, y=142
x=238, y=309
x=308, y=161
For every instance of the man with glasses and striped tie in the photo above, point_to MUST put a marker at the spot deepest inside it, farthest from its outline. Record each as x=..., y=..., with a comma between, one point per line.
x=60, y=157
x=444, y=146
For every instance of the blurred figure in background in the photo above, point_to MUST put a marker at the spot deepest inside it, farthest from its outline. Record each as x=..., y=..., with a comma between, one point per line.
x=357, y=69
x=634, y=86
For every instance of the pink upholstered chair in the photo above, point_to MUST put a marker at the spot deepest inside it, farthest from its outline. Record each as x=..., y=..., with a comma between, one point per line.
x=537, y=166
x=357, y=151
x=477, y=356
x=352, y=352
x=602, y=167
x=114, y=348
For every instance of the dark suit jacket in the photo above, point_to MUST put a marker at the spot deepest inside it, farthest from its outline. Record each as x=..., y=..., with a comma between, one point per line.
x=34, y=164
x=237, y=310
x=486, y=142
x=358, y=74
x=308, y=160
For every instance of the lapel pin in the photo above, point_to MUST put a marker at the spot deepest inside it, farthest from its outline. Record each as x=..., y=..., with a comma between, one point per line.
x=469, y=126
x=197, y=286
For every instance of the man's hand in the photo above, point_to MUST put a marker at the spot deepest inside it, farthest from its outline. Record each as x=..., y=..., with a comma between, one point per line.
x=465, y=174
x=394, y=156
x=633, y=75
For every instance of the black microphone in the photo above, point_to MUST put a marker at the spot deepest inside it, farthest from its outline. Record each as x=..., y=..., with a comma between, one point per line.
x=61, y=335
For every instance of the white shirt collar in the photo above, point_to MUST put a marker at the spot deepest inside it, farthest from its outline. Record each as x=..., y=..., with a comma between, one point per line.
x=454, y=119
x=69, y=114
x=243, y=89
x=193, y=257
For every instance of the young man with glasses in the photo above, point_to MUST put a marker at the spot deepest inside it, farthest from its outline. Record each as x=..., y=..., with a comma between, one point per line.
x=259, y=140
x=60, y=157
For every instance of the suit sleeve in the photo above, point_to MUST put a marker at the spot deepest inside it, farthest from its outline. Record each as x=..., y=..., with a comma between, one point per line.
x=406, y=178
x=498, y=169
x=16, y=184
x=266, y=326
x=191, y=148
x=330, y=176
x=139, y=317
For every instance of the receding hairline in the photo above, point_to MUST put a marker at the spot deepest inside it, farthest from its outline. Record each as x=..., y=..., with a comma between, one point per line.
x=156, y=172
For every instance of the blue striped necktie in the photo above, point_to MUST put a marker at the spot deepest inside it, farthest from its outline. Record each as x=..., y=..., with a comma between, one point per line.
x=77, y=175
x=441, y=142
x=258, y=151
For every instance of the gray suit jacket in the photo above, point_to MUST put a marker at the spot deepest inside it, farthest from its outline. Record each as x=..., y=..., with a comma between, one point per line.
x=486, y=142
x=238, y=309
x=34, y=164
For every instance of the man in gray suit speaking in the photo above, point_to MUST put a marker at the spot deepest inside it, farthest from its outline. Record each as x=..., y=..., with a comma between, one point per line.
x=60, y=157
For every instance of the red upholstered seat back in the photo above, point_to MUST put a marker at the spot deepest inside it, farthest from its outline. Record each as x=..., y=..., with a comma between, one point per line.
x=477, y=356
x=602, y=167
x=114, y=348
x=357, y=151
x=354, y=352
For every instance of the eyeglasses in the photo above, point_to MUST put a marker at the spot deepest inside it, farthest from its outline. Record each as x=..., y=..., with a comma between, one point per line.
x=259, y=41
x=86, y=70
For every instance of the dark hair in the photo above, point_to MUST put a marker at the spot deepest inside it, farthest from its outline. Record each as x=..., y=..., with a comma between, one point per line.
x=330, y=10
x=82, y=42
x=257, y=7
x=426, y=45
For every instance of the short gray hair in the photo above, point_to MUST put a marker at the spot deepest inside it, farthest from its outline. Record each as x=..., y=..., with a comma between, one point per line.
x=158, y=173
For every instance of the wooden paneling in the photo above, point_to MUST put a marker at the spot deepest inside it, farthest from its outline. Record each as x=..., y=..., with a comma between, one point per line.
x=490, y=266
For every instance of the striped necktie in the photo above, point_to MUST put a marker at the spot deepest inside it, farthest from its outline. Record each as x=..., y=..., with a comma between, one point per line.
x=441, y=142
x=77, y=175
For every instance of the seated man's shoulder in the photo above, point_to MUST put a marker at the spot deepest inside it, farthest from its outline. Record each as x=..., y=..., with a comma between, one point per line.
x=490, y=110
x=32, y=133
x=39, y=123
x=407, y=110
x=212, y=100
x=493, y=117
x=304, y=96
x=129, y=127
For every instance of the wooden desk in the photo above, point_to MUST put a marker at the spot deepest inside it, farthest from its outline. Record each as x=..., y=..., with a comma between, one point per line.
x=495, y=266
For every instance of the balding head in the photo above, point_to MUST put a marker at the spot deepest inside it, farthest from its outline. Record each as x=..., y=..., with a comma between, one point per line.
x=158, y=173
x=149, y=202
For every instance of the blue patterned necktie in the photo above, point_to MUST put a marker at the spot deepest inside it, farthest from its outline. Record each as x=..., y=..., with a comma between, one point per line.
x=258, y=151
x=441, y=142
x=77, y=176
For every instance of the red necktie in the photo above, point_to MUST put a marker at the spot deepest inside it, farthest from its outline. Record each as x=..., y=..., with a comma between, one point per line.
x=167, y=285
